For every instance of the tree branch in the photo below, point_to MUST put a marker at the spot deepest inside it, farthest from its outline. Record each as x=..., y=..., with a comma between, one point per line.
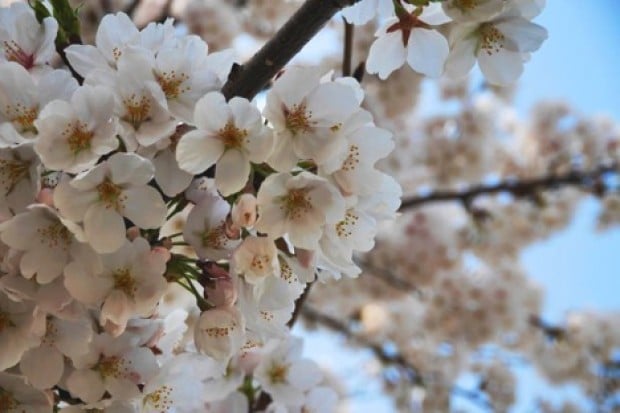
x=517, y=188
x=347, y=51
x=250, y=78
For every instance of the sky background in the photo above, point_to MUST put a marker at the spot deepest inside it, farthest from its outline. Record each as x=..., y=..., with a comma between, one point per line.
x=578, y=268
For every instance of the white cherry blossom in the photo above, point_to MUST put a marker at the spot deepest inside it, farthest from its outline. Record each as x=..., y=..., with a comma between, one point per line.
x=113, y=365
x=500, y=45
x=23, y=40
x=205, y=229
x=363, y=11
x=256, y=258
x=73, y=135
x=299, y=206
x=220, y=332
x=19, y=178
x=307, y=115
x=17, y=396
x=410, y=38
x=46, y=240
x=21, y=100
x=102, y=196
x=130, y=284
x=229, y=135
x=285, y=375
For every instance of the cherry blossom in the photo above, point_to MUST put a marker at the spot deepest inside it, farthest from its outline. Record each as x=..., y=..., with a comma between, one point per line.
x=102, y=196
x=229, y=135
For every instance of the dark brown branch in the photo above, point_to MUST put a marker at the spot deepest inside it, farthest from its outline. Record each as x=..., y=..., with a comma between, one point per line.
x=287, y=42
x=517, y=188
x=551, y=331
x=347, y=51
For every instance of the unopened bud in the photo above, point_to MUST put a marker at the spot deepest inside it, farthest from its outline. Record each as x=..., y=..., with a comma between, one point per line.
x=244, y=211
x=222, y=292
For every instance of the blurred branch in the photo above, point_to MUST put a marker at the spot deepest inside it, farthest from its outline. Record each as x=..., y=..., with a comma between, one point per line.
x=517, y=188
x=390, y=358
x=251, y=77
x=551, y=331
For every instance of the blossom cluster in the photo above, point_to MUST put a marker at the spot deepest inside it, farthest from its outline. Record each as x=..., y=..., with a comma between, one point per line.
x=451, y=36
x=156, y=235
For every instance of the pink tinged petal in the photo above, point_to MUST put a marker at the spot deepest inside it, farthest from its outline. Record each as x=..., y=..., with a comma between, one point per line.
x=197, y=151
x=117, y=309
x=427, y=52
x=74, y=337
x=104, y=228
x=212, y=113
x=144, y=207
x=84, y=286
x=43, y=366
x=72, y=203
x=129, y=168
x=86, y=384
x=387, y=53
x=47, y=264
x=231, y=172
x=501, y=68
x=522, y=35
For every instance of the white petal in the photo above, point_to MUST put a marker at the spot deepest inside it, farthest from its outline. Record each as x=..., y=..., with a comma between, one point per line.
x=129, y=168
x=522, y=35
x=501, y=68
x=104, y=229
x=197, y=151
x=144, y=207
x=86, y=384
x=212, y=113
x=427, y=52
x=386, y=54
x=231, y=172
x=43, y=366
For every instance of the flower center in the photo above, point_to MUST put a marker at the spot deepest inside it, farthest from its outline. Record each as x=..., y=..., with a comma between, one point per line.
x=14, y=53
x=110, y=367
x=5, y=323
x=7, y=401
x=344, y=227
x=55, y=235
x=219, y=332
x=124, y=282
x=78, y=139
x=215, y=237
x=160, y=399
x=352, y=160
x=491, y=39
x=296, y=203
x=231, y=136
x=466, y=5
x=171, y=82
x=110, y=194
x=277, y=373
x=297, y=119
x=11, y=172
x=137, y=110
x=260, y=263
x=22, y=116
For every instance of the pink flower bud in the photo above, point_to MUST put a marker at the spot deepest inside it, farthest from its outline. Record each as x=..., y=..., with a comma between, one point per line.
x=224, y=293
x=244, y=211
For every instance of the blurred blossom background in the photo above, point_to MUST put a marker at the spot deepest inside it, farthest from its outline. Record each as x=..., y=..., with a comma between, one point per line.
x=579, y=267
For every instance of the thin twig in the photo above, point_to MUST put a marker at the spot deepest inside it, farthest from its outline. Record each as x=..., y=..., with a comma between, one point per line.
x=282, y=47
x=517, y=188
x=347, y=50
x=299, y=303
